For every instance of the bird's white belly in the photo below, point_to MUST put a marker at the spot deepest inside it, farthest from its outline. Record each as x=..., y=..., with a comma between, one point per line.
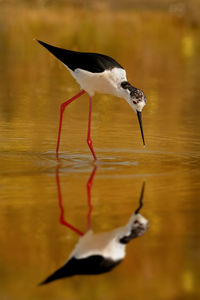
x=107, y=82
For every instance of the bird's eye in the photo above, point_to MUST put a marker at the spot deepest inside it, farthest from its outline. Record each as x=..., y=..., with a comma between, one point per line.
x=134, y=102
x=136, y=222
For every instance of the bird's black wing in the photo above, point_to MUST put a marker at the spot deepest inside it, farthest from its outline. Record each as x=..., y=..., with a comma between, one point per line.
x=92, y=62
x=95, y=264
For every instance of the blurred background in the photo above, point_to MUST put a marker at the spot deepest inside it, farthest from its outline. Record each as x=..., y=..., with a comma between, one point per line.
x=158, y=43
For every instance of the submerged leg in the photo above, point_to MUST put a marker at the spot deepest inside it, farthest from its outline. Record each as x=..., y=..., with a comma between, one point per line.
x=89, y=141
x=62, y=108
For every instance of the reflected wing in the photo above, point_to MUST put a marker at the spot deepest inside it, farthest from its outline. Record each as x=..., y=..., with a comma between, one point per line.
x=95, y=264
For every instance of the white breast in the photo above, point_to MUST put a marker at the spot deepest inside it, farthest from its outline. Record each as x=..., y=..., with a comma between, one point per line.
x=105, y=244
x=107, y=82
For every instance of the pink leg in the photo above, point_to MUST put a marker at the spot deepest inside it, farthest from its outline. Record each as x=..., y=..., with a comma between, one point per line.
x=62, y=108
x=89, y=141
x=89, y=187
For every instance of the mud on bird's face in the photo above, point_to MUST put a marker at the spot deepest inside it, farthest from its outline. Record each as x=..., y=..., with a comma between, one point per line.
x=137, y=99
x=134, y=96
x=140, y=225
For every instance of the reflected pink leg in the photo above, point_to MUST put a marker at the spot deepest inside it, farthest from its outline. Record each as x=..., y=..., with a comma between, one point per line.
x=62, y=219
x=62, y=108
x=89, y=141
x=89, y=187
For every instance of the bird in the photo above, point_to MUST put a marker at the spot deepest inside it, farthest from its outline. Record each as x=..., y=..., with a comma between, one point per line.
x=97, y=73
x=98, y=253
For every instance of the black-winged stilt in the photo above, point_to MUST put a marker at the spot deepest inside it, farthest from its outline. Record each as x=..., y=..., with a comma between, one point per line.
x=97, y=73
x=97, y=253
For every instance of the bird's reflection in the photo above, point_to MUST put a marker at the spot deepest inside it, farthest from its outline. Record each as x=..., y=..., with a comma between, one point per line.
x=97, y=253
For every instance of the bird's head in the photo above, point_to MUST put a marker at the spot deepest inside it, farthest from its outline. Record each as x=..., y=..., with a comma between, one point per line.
x=138, y=227
x=137, y=100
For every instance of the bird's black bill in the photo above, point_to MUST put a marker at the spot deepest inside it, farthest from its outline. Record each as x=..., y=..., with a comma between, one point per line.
x=139, y=114
x=141, y=198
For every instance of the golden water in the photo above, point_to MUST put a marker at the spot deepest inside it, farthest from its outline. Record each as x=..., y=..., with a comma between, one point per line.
x=161, y=55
